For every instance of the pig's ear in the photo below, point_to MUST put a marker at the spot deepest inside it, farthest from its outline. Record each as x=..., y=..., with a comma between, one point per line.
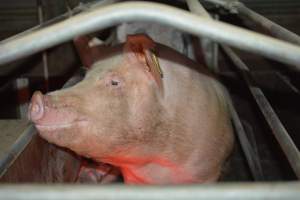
x=140, y=49
x=88, y=54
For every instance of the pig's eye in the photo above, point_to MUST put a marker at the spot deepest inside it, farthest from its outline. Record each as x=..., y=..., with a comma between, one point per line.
x=114, y=82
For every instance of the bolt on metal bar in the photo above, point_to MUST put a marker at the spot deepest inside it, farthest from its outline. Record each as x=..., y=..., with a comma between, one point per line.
x=208, y=46
x=275, y=29
x=285, y=141
x=252, y=159
x=107, y=16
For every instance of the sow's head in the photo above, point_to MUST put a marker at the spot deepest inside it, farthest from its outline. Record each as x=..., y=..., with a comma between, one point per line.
x=111, y=110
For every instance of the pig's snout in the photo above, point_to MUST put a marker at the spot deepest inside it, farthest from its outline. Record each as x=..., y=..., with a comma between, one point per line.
x=36, y=108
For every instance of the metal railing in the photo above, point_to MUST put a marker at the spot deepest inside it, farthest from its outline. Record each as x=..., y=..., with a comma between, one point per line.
x=107, y=16
x=253, y=161
x=283, y=138
x=228, y=191
x=95, y=19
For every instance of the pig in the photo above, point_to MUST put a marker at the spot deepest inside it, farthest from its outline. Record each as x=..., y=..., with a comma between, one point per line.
x=144, y=108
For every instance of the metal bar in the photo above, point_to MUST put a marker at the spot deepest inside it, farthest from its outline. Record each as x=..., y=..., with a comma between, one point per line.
x=275, y=29
x=16, y=149
x=44, y=54
x=197, y=8
x=252, y=159
x=280, y=133
x=208, y=46
x=78, y=9
x=23, y=95
x=228, y=191
x=111, y=15
x=223, y=3
x=215, y=49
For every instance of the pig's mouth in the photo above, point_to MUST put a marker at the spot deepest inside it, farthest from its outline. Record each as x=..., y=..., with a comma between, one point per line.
x=60, y=126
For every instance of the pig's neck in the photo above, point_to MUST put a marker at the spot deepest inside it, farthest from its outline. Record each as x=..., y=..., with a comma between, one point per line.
x=151, y=171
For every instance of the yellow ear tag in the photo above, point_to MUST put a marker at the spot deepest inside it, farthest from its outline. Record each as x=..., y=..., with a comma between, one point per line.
x=156, y=63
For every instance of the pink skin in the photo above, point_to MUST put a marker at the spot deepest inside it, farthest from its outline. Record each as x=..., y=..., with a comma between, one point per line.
x=91, y=172
x=175, y=133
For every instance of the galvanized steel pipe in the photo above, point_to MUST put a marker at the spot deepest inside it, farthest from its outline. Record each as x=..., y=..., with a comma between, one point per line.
x=228, y=191
x=104, y=17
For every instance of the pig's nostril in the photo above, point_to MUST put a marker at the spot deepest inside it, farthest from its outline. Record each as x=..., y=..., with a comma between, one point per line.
x=36, y=112
x=36, y=107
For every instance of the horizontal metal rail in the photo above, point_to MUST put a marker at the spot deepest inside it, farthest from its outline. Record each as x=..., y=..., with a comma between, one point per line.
x=251, y=157
x=228, y=191
x=107, y=16
x=283, y=138
x=273, y=28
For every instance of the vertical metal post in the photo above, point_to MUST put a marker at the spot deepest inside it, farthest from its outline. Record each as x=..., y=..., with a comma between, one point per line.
x=23, y=96
x=44, y=54
x=215, y=51
x=209, y=47
x=251, y=157
x=280, y=133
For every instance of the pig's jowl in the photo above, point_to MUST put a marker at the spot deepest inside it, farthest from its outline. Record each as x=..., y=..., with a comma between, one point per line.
x=159, y=126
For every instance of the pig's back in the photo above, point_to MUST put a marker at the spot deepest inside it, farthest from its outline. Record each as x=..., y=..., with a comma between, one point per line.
x=196, y=107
